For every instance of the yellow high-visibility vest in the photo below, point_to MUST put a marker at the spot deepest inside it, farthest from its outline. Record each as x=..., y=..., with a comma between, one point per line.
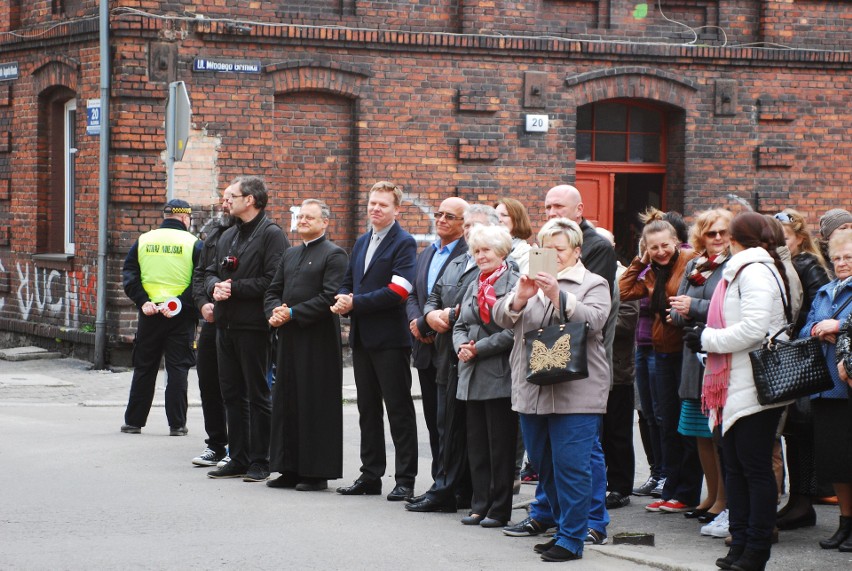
x=165, y=262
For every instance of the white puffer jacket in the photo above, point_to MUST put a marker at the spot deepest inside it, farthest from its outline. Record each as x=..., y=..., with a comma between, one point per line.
x=752, y=308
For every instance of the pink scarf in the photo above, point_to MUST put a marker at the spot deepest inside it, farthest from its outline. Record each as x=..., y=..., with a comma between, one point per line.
x=717, y=375
x=486, y=297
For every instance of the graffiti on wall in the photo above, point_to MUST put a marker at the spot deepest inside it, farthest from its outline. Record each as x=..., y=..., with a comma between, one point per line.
x=63, y=297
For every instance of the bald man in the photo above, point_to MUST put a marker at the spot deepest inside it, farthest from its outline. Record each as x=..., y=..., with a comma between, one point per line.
x=431, y=262
x=598, y=255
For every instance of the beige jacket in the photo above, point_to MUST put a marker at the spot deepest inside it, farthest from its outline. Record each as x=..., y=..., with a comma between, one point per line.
x=588, y=300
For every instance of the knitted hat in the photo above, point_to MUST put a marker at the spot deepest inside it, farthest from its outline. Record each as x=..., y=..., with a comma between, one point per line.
x=832, y=220
x=177, y=206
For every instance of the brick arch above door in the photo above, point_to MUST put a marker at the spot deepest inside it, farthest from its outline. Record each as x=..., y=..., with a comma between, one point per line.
x=632, y=82
x=333, y=78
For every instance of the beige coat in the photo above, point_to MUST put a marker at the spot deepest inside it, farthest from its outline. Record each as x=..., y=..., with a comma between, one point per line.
x=588, y=300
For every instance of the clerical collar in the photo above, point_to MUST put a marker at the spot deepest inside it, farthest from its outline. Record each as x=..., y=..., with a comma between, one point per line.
x=314, y=240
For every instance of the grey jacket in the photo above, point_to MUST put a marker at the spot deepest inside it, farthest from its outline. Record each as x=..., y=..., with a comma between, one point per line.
x=589, y=300
x=488, y=376
x=692, y=372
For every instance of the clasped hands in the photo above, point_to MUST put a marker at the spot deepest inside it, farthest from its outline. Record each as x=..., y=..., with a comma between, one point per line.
x=150, y=308
x=343, y=303
x=281, y=315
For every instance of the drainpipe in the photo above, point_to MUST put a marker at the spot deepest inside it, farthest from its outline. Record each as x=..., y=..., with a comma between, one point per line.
x=103, y=191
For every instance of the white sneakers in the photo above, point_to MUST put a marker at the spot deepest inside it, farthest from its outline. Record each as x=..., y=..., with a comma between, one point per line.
x=718, y=527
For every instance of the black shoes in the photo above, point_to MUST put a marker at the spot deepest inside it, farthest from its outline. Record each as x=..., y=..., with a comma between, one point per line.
x=427, y=505
x=542, y=547
x=417, y=499
x=400, y=493
x=559, y=554
x=751, y=560
x=129, y=429
x=178, y=431
x=527, y=528
x=257, y=473
x=312, y=485
x=288, y=480
x=362, y=488
x=795, y=521
x=491, y=522
x=229, y=470
x=616, y=500
x=734, y=553
x=841, y=536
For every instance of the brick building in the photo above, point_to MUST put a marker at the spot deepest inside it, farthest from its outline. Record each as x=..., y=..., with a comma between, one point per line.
x=682, y=104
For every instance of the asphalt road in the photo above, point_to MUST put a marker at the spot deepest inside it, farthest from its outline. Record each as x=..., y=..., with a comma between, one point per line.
x=78, y=494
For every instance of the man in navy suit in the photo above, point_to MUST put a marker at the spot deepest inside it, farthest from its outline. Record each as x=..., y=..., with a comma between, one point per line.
x=376, y=285
x=449, y=226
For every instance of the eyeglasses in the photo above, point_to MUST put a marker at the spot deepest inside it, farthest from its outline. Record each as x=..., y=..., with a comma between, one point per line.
x=446, y=216
x=783, y=217
x=715, y=233
x=838, y=259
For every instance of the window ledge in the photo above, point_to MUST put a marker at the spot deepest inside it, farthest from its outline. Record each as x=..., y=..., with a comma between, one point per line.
x=54, y=261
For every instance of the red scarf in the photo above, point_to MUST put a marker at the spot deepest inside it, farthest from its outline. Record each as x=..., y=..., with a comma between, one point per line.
x=704, y=267
x=486, y=297
x=717, y=375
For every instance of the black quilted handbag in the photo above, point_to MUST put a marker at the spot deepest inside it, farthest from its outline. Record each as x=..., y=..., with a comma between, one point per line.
x=787, y=370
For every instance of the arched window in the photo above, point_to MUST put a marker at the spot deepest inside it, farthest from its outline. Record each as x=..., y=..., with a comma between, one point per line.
x=621, y=132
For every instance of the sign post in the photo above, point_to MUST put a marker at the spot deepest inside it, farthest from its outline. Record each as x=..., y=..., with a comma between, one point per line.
x=178, y=114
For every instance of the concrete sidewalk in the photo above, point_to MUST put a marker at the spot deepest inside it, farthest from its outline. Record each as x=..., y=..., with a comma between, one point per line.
x=27, y=387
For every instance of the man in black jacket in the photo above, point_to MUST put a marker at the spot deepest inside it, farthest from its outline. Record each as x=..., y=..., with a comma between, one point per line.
x=207, y=365
x=246, y=258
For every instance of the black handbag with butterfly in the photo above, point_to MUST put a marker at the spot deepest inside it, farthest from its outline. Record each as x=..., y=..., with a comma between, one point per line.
x=556, y=353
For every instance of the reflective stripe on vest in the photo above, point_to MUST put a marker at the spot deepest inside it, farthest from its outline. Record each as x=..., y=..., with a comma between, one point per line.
x=165, y=262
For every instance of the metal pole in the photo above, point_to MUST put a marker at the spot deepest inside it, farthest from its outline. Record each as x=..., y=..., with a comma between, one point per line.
x=103, y=191
x=170, y=142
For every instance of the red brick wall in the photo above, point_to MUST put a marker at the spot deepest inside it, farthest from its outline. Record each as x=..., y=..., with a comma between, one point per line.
x=338, y=109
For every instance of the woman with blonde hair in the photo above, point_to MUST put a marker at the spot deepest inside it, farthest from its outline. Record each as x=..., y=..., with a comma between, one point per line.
x=710, y=238
x=657, y=275
x=560, y=422
x=513, y=215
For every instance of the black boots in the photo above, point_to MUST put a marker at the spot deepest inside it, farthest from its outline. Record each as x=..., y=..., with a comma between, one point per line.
x=840, y=536
x=751, y=560
x=734, y=553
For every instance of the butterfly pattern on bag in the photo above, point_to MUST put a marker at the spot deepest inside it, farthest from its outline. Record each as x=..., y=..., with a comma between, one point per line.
x=557, y=357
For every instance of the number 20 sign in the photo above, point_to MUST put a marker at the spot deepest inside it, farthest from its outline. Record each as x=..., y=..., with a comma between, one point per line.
x=537, y=123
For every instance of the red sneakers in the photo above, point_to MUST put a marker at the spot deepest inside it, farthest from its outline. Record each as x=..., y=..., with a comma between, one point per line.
x=655, y=506
x=673, y=506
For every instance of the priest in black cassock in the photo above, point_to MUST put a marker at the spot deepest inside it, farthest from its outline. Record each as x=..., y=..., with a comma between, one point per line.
x=307, y=411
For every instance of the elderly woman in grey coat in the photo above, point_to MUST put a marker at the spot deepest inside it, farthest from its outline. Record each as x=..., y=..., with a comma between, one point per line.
x=560, y=422
x=485, y=380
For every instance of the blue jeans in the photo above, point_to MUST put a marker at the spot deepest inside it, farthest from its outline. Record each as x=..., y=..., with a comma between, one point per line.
x=561, y=447
x=644, y=378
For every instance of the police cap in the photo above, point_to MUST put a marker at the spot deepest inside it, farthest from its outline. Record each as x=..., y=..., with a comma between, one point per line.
x=177, y=206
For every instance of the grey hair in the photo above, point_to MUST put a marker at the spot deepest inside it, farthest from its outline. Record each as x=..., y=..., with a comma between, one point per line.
x=556, y=226
x=482, y=209
x=495, y=237
x=325, y=211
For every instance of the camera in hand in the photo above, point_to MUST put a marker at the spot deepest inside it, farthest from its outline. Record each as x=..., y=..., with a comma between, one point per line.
x=230, y=263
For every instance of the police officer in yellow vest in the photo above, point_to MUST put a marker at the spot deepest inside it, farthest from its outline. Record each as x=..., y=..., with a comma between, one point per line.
x=157, y=276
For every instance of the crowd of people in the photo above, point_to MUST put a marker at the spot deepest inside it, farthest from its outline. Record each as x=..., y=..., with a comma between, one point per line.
x=668, y=335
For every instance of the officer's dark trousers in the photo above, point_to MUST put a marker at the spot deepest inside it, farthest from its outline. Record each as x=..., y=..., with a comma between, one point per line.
x=157, y=336
x=212, y=405
x=243, y=364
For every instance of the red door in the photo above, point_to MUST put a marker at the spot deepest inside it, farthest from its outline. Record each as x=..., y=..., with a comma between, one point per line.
x=596, y=188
